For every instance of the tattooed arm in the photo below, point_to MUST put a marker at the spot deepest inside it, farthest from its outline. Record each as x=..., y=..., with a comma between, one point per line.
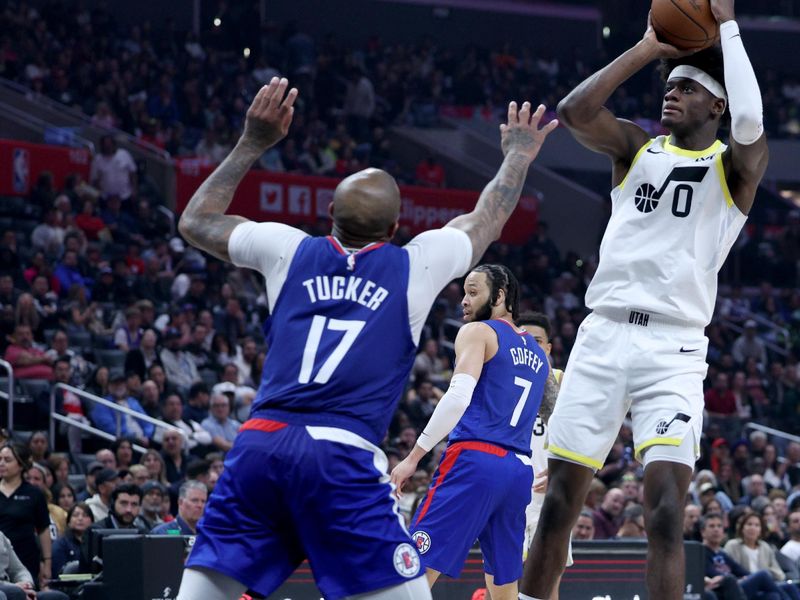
x=204, y=223
x=549, y=396
x=521, y=140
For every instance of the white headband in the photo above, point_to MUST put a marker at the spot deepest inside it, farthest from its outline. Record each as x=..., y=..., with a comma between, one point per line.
x=701, y=77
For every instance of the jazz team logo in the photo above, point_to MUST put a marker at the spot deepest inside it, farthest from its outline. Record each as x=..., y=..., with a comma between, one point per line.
x=406, y=560
x=422, y=540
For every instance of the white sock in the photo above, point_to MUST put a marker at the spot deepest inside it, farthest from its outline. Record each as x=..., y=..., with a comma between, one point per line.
x=525, y=597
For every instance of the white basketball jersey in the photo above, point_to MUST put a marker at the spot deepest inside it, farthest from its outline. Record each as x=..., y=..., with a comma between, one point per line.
x=672, y=224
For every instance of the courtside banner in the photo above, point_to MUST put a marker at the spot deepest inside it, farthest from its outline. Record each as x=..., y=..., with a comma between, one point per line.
x=23, y=162
x=300, y=199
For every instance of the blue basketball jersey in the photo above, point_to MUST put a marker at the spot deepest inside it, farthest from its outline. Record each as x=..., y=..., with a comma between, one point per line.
x=339, y=339
x=506, y=400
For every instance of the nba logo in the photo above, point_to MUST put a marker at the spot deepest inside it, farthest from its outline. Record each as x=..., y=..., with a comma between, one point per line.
x=21, y=171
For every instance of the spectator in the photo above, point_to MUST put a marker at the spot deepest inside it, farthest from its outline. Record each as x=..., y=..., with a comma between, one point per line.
x=91, y=224
x=39, y=446
x=791, y=549
x=48, y=237
x=105, y=481
x=16, y=581
x=359, y=103
x=106, y=419
x=64, y=495
x=23, y=514
x=174, y=456
x=37, y=477
x=107, y=458
x=584, y=526
x=191, y=504
x=128, y=336
x=28, y=362
x=748, y=345
x=67, y=548
x=691, y=515
x=126, y=501
x=198, y=440
x=720, y=401
x=222, y=428
x=123, y=451
x=69, y=274
x=755, y=488
x=430, y=173
x=113, y=171
x=726, y=577
x=89, y=489
x=430, y=365
x=632, y=523
x=197, y=403
x=156, y=468
x=242, y=396
x=139, y=474
x=178, y=365
x=79, y=366
x=153, y=493
x=608, y=518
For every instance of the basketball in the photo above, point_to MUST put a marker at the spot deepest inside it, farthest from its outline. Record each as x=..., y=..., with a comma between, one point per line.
x=685, y=24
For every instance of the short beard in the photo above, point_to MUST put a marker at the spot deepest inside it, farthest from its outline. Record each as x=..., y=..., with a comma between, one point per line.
x=484, y=313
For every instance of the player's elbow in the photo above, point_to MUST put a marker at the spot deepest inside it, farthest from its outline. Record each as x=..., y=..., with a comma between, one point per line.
x=185, y=226
x=570, y=110
x=747, y=125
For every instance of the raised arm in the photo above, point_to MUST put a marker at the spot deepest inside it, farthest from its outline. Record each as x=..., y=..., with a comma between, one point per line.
x=747, y=155
x=583, y=111
x=521, y=140
x=204, y=223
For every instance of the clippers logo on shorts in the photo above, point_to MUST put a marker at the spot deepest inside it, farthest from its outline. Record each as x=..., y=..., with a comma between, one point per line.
x=663, y=425
x=422, y=540
x=406, y=560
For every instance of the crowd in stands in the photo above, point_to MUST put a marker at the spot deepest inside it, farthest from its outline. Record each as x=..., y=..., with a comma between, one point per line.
x=102, y=295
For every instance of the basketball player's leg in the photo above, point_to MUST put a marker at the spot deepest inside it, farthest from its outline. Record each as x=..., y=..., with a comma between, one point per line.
x=209, y=585
x=567, y=485
x=665, y=487
x=509, y=591
x=416, y=589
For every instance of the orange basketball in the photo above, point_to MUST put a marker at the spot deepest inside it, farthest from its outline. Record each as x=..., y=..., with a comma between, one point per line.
x=685, y=24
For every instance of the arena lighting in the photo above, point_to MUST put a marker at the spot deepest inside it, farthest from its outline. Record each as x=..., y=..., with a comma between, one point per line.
x=606, y=32
x=217, y=21
x=246, y=52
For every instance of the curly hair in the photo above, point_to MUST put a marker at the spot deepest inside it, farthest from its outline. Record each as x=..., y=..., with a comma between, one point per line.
x=501, y=278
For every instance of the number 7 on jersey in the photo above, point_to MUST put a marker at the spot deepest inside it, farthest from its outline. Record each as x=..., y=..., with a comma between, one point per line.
x=318, y=325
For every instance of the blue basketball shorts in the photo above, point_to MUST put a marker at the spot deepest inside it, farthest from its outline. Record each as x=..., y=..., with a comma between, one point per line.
x=480, y=491
x=290, y=492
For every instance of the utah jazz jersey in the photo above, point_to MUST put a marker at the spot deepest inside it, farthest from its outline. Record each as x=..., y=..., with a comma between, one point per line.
x=320, y=367
x=672, y=225
x=508, y=394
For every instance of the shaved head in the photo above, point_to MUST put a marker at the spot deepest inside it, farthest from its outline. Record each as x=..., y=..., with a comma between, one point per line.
x=366, y=206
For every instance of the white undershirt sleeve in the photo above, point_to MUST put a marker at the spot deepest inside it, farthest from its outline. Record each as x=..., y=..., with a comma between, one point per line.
x=449, y=411
x=267, y=248
x=436, y=257
x=744, y=95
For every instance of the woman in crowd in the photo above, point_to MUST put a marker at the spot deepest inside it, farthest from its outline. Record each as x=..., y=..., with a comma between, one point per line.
x=58, y=516
x=39, y=446
x=155, y=466
x=59, y=466
x=68, y=547
x=64, y=495
x=123, y=450
x=98, y=382
x=754, y=554
x=24, y=515
x=774, y=470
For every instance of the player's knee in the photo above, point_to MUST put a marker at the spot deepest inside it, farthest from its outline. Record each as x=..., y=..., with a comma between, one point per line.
x=664, y=522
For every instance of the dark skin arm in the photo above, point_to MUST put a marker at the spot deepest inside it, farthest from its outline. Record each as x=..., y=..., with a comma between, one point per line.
x=521, y=140
x=596, y=127
x=745, y=165
x=204, y=223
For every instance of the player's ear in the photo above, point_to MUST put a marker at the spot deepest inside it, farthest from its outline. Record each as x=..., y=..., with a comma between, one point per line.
x=501, y=298
x=330, y=209
x=718, y=107
x=393, y=229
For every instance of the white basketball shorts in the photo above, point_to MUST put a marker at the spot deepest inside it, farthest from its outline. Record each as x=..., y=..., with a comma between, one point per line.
x=631, y=360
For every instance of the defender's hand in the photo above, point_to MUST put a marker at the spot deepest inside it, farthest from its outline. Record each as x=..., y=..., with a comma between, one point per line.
x=521, y=135
x=269, y=116
x=540, y=483
x=723, y=10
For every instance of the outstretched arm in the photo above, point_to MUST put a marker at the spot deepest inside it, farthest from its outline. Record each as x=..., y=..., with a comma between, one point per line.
x=521, y=140
x=747, y=157
x=549, y=396
x=583, y=111
x=204, y=223
x=471, y=348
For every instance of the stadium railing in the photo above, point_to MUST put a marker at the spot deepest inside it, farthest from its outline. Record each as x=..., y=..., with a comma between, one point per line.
x=119, y=410
x=9, y=395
